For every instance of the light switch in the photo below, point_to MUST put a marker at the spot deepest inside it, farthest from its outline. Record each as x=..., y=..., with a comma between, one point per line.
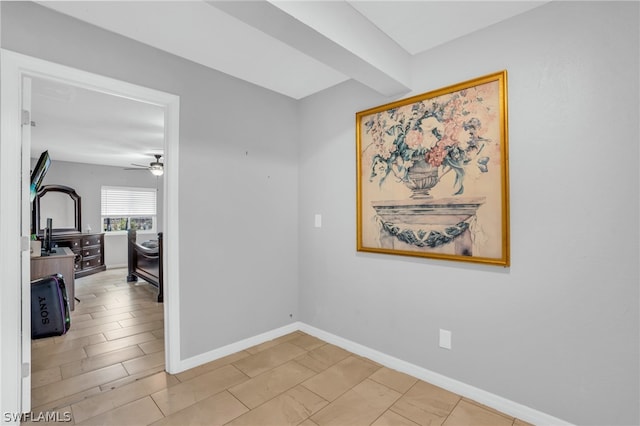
x=318, y=221
x=445, y=339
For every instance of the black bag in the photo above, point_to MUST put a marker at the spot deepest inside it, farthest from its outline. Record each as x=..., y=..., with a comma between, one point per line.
x=49, y=307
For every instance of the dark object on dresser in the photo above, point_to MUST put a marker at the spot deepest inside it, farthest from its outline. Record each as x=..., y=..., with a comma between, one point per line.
x=145, y=261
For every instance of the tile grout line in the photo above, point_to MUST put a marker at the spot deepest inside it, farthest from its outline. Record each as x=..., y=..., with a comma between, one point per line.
x=398, y=414
x=452, y=410
x=156, y=404
x=237, y=399
x=284, y=391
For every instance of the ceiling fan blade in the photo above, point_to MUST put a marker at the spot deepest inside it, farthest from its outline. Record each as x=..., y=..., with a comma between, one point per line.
x=155, y=167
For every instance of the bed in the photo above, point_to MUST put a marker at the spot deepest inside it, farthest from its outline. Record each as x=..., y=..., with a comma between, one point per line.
x=145, y=261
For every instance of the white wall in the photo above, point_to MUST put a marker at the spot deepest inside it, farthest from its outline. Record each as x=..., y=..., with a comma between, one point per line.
x=558, y=331
x=238, y=176
x=87, y=180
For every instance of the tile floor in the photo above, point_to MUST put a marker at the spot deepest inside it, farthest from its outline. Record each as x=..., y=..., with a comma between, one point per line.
x=109, y=370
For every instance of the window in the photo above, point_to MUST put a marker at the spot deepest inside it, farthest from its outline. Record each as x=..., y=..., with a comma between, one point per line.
x=126, y=208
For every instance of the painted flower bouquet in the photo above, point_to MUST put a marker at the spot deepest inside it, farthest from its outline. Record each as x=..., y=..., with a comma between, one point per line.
x=442, y=134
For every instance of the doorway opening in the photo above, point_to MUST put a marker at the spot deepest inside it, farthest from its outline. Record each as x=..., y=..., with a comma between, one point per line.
x=15, y=224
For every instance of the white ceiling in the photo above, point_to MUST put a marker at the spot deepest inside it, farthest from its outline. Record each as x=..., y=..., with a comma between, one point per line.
x=85, y=126
x=296, y=48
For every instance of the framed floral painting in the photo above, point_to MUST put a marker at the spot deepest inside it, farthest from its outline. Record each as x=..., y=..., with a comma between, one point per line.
x=432, y=174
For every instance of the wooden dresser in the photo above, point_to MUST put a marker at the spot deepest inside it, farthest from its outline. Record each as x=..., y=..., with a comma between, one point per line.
x=88, y=248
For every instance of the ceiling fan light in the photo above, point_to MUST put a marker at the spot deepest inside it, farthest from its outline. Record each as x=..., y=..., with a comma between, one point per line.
x=156, y=170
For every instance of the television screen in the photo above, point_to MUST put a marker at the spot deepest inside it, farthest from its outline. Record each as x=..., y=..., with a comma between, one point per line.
x=38, y=172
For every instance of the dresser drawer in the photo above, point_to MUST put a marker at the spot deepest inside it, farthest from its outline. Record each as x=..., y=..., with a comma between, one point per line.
x=74, y=244
x=88, y=248
x=91, y=262
x=91, y=251
x=90, y=240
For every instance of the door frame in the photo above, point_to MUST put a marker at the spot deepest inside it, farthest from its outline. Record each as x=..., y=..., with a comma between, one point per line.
x=14, y=198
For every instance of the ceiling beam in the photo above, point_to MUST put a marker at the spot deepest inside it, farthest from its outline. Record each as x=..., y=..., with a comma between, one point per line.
x=333, y=33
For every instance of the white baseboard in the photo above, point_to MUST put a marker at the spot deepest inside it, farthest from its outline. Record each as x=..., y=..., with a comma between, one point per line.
x=496, y=402
x=232, y=348
x=117, y=266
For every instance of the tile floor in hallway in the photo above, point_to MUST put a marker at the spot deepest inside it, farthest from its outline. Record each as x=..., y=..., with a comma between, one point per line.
x=109, y=370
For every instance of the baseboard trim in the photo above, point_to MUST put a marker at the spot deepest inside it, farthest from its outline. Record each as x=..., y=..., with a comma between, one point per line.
x=117, y=266
x=232, y=348
x=496, y=402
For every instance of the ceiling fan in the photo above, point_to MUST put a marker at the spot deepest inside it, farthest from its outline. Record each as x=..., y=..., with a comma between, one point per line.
x=155, y=167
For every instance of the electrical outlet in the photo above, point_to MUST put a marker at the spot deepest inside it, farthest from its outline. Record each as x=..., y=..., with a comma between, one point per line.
x=445, y=339
x=318, y=220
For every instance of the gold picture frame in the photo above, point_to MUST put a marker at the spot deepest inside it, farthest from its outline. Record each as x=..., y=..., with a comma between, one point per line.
x=432, y=174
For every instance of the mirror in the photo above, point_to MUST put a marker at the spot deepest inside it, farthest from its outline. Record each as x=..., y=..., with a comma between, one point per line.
x=60, y=208
x=62, y=205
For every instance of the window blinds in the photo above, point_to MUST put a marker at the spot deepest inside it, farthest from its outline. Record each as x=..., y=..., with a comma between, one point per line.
x=123, y=201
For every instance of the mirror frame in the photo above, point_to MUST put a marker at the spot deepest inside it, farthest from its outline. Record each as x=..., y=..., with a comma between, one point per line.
x=35, y=213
